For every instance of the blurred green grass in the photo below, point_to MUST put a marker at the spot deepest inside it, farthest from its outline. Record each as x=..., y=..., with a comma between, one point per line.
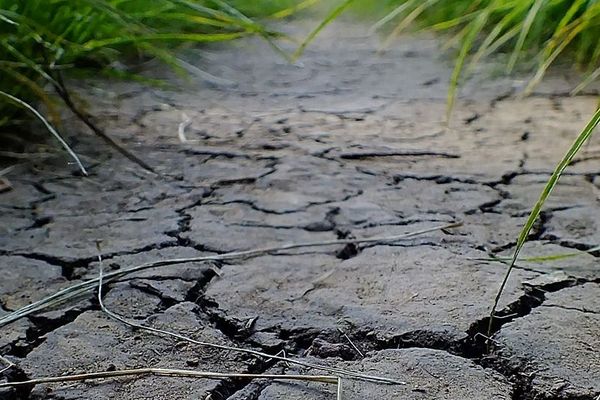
x=40, y=39
x=43, y=40
x=529, y=34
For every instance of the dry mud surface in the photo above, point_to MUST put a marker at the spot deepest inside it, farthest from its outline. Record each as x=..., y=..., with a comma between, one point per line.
x=349, y=144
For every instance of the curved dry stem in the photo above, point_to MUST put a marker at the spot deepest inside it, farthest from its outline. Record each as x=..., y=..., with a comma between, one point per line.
x=165, y=333
x=48, y=126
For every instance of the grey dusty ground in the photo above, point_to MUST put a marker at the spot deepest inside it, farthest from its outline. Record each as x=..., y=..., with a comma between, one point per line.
x=348, y=144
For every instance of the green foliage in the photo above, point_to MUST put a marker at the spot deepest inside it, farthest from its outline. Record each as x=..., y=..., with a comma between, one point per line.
x=333, y=14
x=40, y=39
x=532, y=33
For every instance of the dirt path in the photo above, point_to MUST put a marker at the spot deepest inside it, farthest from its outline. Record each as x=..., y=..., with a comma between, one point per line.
x=350, y=144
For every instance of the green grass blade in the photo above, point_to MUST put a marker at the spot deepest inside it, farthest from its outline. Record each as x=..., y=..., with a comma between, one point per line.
x=485, y=51
x=48, y=126
x=541, y=71
x=541, y=259
x=7, y=20
x=527, y=23
x=467, y=45
x=500, y=34
x=326, y=21
x=589, y=79
x=35, y=89
x=535, y=212
x=414, y=14
x=181, y=37
x=451, y=23
x=286, y=12
x=30, y=63
x=390, y=16
x=571, y=12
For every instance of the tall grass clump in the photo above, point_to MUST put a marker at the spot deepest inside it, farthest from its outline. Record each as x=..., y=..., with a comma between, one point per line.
x=531, y=34
x=41, y=41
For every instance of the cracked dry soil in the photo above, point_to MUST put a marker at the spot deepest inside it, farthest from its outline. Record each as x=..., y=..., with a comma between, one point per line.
x=348, y=144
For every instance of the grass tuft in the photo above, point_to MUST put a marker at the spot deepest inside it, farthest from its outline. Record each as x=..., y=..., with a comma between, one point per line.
x=40, y=40
x=533, y=34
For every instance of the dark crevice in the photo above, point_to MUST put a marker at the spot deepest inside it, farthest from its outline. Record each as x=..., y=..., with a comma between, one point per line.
x=40, y=222
x=583, y=310
x=415, y=243
x=196, y=293
x=183, y=226
x=236, y=330
x=246, y=180
x=505, y=179
x=165, y=301
x=439, y=179
x=215, y=153
x=70, y=268
x=231, y=182
x=349, y=250
x=437, y=340
x=255, y=207
x=205, y=194
x=204, y=248
x=67, y=267
x=41, y=325
x=585, y=247
x=299, y=340
x=489, y=355
x=547, y=210
x=485, y=207
x=533, y=297
x=537, y=233
x=404, y=222
x=503, y=247
x=229, y=387
x=584, y=158
x=361, y=155
x=266, y=226
x=327, y=343
x=16, y=374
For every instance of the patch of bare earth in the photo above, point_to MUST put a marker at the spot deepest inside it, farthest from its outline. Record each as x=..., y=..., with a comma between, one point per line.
x=350, y=143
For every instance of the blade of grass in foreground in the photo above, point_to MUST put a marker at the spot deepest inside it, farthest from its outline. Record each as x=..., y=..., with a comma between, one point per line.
x=535, y=212
x=541, y=259
x=48, y=126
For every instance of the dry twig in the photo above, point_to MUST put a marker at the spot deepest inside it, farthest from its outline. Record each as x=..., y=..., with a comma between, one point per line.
x=183, y=373
x=8, y=364
x=360, y=353
x=165, y=333
x=89, y=285
x=84, y=117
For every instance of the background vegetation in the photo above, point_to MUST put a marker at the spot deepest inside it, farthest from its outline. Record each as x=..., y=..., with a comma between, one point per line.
x=529, y=34
x=41, y=41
